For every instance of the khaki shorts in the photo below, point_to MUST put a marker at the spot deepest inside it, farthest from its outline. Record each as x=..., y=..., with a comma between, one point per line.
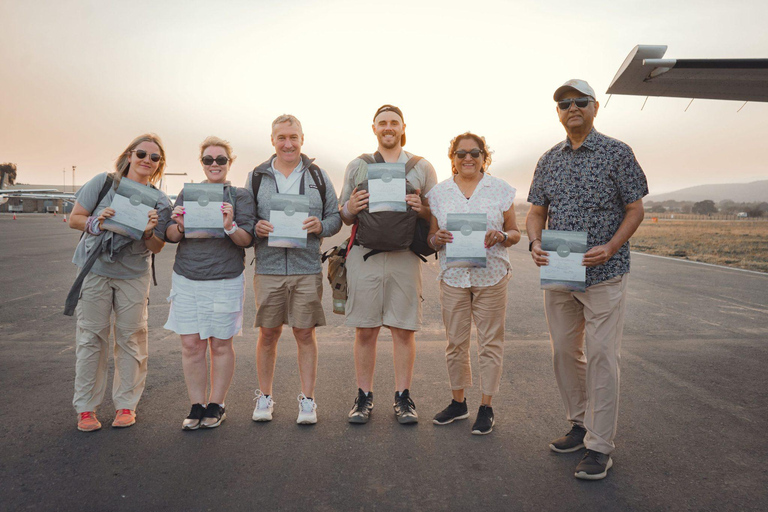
x=295, y=300
x=384, y=290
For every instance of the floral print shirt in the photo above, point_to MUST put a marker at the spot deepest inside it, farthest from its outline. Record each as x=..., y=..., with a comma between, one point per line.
x=587, y=189
x=491, y=196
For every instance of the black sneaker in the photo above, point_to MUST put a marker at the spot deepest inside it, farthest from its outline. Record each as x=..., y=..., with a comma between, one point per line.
x=484, y=422
x=361, y=412
x=405, y=409
x=192, y=422
x=570, y=442
x=455, y=411
x=214, y=415
x=593, y=466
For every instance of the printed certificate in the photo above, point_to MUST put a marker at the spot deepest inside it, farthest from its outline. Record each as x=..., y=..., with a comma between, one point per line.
x=287, y=214
x=468, y=246
x=386, y=186
x=566, y=250
x=132, y=203
x=202, y=204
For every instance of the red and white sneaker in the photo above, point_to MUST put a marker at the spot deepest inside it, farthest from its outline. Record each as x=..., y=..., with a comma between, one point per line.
x=124, y=418
x=87, y=421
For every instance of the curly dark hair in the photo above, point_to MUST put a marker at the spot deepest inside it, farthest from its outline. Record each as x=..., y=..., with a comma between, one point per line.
x=480, y=140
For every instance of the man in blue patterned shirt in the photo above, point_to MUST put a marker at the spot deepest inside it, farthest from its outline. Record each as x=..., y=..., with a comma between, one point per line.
x=589, y=183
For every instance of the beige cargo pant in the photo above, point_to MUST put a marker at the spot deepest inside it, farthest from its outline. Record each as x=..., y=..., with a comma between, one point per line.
x=589, y=379
x=100, y=297
x=486, y=306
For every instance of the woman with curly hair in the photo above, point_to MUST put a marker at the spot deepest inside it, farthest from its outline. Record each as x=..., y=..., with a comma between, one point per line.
x=476, y=295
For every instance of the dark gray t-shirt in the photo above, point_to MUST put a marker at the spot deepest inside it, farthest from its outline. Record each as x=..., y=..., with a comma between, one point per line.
x=206, y=259
x=133, y=260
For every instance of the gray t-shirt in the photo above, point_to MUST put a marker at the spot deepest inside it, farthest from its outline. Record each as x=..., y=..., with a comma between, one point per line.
x=206, y=259
x=132, y=261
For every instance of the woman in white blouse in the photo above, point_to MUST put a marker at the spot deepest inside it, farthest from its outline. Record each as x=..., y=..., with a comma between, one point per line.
x=473, y=294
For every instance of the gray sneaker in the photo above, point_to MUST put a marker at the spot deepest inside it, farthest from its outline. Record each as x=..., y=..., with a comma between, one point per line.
x=361, y=411
x=593, y=466
x=570, y=442
x=405, y=409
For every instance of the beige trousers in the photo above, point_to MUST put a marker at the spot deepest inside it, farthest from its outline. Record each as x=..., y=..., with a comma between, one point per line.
x=589, y=380
x=101, y=296
x=487, y=307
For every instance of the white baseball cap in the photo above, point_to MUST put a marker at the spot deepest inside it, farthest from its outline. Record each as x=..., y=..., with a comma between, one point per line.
x=575, y=85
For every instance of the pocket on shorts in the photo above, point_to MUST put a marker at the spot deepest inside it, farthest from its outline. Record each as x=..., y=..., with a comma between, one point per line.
x=171, y=296
x=227, y=306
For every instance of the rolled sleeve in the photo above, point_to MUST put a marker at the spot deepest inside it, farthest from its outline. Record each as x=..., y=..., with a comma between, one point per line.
x=631, y=179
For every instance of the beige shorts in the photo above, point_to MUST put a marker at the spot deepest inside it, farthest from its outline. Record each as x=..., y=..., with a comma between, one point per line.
x=295, y=300
x=384, y=290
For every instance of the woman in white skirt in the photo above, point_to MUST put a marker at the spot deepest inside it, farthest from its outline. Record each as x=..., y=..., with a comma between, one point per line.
x=208, y=290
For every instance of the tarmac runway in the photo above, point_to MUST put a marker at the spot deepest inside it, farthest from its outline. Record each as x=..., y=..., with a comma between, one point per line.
x=692, y=423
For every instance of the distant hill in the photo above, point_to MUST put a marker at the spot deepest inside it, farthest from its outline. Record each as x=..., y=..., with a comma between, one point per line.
x=757, y=191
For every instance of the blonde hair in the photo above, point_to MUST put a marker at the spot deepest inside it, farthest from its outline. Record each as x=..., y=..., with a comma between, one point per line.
x=124, y=160
x=480, y=140
x=287, y=118
x=216, y=141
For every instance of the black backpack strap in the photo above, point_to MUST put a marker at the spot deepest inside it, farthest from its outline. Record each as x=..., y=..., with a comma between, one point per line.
x=255, y=185
x=102, y=194
x=371, y=253
x=317, y=177
x=365, y=157
x=379, y=159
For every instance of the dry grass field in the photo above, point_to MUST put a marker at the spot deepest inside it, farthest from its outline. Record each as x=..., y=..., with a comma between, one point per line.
x=741, y=244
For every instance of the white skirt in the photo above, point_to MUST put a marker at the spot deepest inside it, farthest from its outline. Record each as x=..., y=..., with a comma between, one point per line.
x=208, y=308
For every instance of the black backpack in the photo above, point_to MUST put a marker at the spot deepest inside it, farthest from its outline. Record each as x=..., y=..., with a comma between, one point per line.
x=392, y=231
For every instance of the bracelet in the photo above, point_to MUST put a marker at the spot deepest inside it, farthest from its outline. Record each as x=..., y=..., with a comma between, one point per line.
x=92, y=226
x=178, y=228
x=506, y=237
x=151, y=234
x=530, y=244
x=432, y=241
x=232, y=231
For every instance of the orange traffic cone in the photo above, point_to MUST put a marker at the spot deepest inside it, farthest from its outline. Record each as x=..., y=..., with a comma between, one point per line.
x=65, y=218
x=14, y=215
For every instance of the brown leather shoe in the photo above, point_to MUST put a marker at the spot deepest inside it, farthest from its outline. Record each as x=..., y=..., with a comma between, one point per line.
x=87, y=422
x=124, y=418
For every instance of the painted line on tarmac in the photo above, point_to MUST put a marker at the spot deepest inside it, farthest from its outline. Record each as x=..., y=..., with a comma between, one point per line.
x=21, y=298
x=701, y=263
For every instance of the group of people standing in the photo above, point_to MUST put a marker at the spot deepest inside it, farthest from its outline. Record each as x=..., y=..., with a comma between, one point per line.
x=589, y=182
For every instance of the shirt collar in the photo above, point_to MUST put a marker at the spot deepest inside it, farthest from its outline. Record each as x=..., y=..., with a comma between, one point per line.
x=298, y=169
x=591, y=142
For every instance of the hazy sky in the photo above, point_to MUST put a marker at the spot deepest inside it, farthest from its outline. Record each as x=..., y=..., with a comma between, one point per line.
x=79, y=80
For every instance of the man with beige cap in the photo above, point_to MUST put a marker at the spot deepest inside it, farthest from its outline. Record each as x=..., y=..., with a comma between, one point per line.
x=590, y=183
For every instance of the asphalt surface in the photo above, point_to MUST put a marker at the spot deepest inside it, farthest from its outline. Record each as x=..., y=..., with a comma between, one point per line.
x=692, y=424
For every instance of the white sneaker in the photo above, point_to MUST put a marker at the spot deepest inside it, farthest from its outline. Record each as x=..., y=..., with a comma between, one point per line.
x=307, y=410
x=264, y=407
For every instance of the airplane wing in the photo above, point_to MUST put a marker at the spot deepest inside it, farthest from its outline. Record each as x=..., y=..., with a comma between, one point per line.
x=646, y=73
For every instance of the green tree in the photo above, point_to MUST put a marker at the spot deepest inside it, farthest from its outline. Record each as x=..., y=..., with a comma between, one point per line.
x=706, y=207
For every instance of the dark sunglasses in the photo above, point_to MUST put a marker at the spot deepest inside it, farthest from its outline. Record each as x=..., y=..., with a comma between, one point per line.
x=461, y=154
x=208, y=160
x=580, y=102
x=141, y=155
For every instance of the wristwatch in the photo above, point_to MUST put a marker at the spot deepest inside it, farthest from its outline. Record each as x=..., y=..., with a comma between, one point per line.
x=530, y=244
